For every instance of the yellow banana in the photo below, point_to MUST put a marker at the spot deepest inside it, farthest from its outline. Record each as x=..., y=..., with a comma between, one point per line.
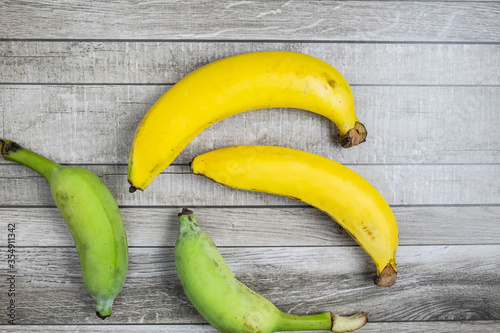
x=327, y=185
x=233, y=85
x=93, y=217
x=229, y=305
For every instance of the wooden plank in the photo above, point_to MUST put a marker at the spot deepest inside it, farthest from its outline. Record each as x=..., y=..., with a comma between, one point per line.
x=459, y=184
x=226, y=20
x=486, y=326
x=406, y=124
x=263, y=226
x=168, y=62
x=434, y=283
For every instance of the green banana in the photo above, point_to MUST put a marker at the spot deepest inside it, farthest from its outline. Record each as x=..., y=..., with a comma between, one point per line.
x=93, y=217
x=226, y=303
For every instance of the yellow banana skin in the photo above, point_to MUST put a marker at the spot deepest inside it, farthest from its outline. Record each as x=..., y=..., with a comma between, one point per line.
x=93, y=218
x=226, y=303
x=325, y=184
x=233, y=85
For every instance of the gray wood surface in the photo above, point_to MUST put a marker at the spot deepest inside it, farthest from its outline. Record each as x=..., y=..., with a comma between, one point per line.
x=409, y=184
x=233, y=226
x=406, y=124
x=486, y=326
x=76, y=77
x=157, y=62
x=296, y=279
x=253, y=20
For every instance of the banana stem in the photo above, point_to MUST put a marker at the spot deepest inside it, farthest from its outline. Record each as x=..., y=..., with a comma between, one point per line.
x=291, y=322
x=11, y=151
x=323, y=321
x=354, y=136
x=388, y=276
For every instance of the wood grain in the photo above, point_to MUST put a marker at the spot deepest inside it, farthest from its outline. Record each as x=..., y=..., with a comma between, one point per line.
x=263, y=226
x=253, y=20
x=142, y=62
x=398, y=184
x=299, y=280
x=406, y=124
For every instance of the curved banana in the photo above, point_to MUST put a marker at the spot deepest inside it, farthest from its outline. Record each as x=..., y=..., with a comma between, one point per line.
x=229, y=305
x=233, y=85
x=327, y=185
x=93, y=217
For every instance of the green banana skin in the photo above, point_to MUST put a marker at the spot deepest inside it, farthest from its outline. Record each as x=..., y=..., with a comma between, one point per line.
x=93, y=217
x=226, y=303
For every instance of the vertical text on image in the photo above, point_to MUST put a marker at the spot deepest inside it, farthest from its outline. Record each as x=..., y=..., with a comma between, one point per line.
x=11, y=273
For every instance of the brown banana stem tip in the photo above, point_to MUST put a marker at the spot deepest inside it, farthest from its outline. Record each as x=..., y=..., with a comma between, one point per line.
x=133, y=188
x=387, y=277
x=101, y=316
x=354, y=136
x=185, y=211
x=7, y=146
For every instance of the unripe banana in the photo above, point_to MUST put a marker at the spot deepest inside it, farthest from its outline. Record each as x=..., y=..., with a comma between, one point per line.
x=233, y=85
x=229, y=305
x=93, y=217
x=327, y=185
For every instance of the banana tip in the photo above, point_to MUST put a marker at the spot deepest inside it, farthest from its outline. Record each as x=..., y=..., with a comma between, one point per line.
x=133, y=188
x=185, y=211
x=354, y=136
x=349, y=324
x=6, y=146
x=387, y=277
x=101, y=316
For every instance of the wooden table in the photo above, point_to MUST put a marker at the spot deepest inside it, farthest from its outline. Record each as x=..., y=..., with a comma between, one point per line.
x=77, y=76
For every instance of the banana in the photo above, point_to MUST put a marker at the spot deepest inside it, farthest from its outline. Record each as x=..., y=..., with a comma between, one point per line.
x=233, y=85
x=325, y=184
x=229, y=305
x=93, y=218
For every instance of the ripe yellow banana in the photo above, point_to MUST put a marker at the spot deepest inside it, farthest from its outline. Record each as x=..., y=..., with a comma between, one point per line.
x=233, y=85
x=93, y=217
x=229, y=305
x=327, y=185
